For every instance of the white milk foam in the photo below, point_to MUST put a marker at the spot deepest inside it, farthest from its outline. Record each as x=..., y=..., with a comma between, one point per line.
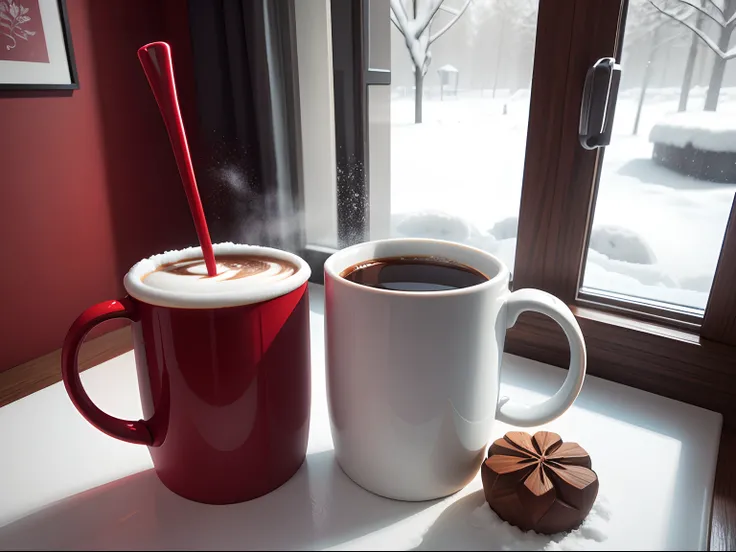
x=185, y=283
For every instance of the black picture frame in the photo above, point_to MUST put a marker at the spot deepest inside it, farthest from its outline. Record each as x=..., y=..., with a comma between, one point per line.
x=69, y=48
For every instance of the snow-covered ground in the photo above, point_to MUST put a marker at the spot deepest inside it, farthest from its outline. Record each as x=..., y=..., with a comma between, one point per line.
x=657, y=234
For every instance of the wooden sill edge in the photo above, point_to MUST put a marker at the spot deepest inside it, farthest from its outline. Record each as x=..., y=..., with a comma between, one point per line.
x=629, y=323
x=36, y=374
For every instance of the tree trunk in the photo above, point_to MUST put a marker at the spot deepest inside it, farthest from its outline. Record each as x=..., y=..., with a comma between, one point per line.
x=692, y=55
x=714, y=86
x=719, y=64
x=498, y=59
x=665, y=65
x=418, y=93
x=647, y=76
x=495, y=77
x=702, y=65
x=687, y=77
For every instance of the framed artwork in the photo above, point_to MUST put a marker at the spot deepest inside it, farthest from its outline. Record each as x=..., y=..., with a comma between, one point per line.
x=36, y=46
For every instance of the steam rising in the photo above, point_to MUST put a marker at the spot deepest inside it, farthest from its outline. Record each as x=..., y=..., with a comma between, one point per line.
x=249, y=215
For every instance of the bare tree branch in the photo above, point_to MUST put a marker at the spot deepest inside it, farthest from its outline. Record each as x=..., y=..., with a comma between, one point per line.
x=666, y=41
x=647, y=33
x=395, y=22
x=446, y=9
x=646, y=19
x=397, y=8
x=444, y=29
x=719, y=20
x=730, y=54
x=428, y=17
x=407, y=7
x=717, y=7
x=731, y=20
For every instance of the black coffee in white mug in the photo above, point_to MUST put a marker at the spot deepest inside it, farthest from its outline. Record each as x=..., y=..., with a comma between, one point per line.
x=414, y=274
x=414, y=334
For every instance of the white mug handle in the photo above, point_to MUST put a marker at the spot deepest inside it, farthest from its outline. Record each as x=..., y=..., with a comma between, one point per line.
x=536, y=300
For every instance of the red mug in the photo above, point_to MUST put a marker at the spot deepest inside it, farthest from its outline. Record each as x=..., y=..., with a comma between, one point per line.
x=224, y=378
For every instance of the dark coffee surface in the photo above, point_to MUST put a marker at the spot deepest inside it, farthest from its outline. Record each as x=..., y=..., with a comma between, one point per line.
x=414, y=274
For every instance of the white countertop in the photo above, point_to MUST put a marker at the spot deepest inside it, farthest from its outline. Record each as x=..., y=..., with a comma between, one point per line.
x=63, y=484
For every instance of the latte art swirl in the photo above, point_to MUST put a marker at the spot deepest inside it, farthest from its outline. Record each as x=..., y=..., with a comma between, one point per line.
x=231, y=269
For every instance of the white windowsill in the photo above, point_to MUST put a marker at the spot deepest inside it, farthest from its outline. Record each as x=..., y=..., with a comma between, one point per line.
x=655, y=458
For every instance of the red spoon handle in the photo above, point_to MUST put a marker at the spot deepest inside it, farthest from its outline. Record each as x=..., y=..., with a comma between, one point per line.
x=156, y=61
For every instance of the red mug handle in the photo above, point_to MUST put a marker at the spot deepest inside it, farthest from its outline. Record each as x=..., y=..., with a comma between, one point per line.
x=132, y=432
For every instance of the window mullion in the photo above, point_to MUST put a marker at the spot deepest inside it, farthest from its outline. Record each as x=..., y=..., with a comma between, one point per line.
x=559, y=175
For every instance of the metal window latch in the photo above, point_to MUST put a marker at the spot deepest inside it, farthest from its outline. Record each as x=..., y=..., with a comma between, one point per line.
x=599, y=103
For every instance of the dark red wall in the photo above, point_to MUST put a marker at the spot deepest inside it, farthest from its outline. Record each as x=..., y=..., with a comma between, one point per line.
x=88, y=183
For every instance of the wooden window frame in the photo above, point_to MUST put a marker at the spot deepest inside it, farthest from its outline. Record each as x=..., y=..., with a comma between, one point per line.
x=695, y=363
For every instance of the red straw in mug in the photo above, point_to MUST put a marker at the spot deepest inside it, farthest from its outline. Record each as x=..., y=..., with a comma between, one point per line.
x=156, y=61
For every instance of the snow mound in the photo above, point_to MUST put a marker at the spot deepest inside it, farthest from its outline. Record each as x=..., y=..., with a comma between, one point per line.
x=621, y=244
x=704, y=130
x=505, y=229
x=639, y=281
x=444, y=226
x=601, y=273
x=484, y=241
x=521, y=94
x=699, y=282
x=433, y=224
x=506, y=251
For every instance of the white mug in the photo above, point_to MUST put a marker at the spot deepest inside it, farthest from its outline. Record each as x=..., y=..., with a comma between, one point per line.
x=413, y=377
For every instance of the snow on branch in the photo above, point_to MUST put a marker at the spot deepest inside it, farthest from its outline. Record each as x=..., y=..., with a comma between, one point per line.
x=717, y=7
x=720, y=19
x=729, y=54
x=414, y=27
x=447, y=9
x=425, y=14
x=395, y=22
x=731, y=21
x=399, y=13
x=457, y=16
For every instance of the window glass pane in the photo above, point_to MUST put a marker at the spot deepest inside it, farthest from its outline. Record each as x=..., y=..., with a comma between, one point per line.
x=668, y=178
x=457, y=157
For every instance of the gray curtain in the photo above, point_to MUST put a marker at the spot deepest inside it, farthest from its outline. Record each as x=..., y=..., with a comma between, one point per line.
x=247, y=139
